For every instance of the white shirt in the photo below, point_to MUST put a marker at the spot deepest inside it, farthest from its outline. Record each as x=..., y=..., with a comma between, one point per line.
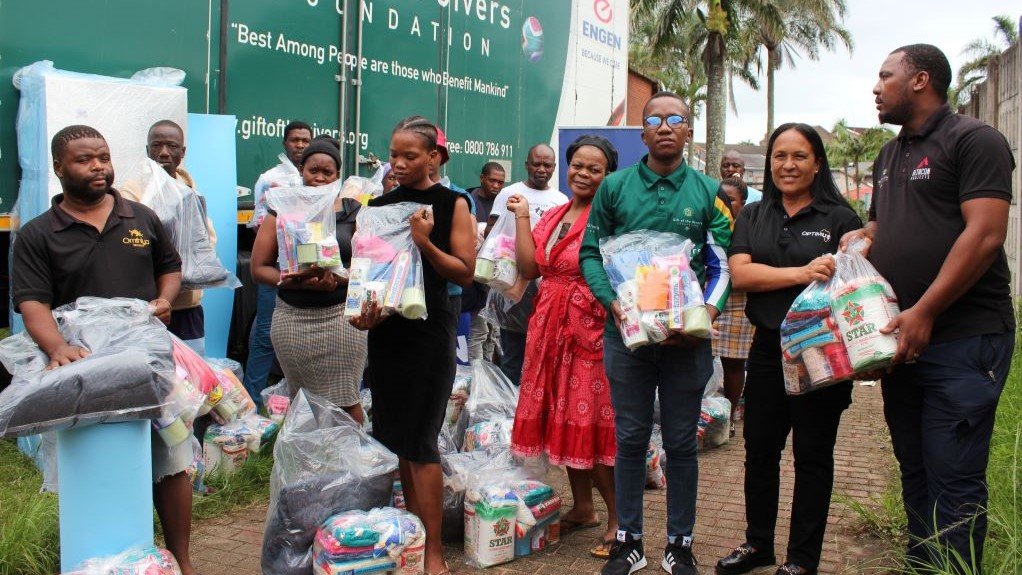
x=539, y=200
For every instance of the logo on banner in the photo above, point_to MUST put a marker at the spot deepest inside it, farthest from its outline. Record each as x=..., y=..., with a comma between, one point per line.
x=604, y=11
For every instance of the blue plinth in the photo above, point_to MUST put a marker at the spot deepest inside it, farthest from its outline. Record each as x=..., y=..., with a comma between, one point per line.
x=106, y=490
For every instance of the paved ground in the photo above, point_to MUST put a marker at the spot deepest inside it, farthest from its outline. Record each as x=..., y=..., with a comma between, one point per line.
x=230, y=545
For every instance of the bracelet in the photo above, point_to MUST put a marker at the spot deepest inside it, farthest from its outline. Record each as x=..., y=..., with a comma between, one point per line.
x=520, y=217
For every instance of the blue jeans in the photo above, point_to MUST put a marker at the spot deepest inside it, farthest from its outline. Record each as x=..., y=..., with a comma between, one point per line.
x=635, y=378
x=941, y=414
x=260, y=349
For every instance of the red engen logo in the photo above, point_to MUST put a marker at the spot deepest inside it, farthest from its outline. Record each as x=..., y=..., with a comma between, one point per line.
x=604, y=11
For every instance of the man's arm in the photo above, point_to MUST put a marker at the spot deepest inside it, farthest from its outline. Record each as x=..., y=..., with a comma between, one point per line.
x=599, y=225
x=986, y=227
x=718, y=240
x=42, y=328
x=985, y=165
x=167, y=287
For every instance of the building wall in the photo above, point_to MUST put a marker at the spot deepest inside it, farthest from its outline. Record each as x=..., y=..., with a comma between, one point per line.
x=639, y=91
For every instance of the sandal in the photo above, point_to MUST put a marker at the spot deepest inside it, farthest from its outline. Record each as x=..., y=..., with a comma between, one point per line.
x=602, y=549
x=446, y=571
x=569, y=526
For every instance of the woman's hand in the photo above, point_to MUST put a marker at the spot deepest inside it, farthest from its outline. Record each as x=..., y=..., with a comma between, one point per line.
x=819, y=270
x=518, y=205
x=421, y=224
x=313, y=279
x=370, y=317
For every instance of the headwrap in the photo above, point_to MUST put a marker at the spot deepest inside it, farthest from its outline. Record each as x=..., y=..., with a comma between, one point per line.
x=599, y=142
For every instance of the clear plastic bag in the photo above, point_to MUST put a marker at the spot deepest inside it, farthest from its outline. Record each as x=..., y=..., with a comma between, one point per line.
x=385, y=539
x=42, y=449
x=493, y=396
x=276, y=399
x=324, y=464
x=832, y=330
x=656, y=287
x=361, y=189
x=386, y=266
x=181, y=212
x=714, y=422
x=235, y=402
x=137, y=561
x=503, y=502
x=284, y=175
x=496, y=265
x=128, y=375
x=306, y=228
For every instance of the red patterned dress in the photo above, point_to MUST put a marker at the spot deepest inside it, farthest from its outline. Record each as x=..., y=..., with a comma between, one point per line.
x=564, y=405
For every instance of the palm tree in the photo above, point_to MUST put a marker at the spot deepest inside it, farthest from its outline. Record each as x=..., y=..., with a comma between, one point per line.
x=853, y=147
x=714, y=30
x=798, y=27
x=980, y=52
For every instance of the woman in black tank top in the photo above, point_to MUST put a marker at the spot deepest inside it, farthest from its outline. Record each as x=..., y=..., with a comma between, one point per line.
x=412, y=362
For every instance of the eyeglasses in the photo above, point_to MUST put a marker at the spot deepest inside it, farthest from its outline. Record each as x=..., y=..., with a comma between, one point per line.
x=674, y=120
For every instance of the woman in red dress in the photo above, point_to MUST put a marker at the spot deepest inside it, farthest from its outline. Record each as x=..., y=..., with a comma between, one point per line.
x=564, y=405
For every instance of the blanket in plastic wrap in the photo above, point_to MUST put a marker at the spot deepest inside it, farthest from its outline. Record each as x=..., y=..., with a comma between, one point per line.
x=324, y=464
x=129, y=374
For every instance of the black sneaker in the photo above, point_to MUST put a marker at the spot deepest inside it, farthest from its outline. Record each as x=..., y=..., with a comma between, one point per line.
x=625, y=557
x=678, y=560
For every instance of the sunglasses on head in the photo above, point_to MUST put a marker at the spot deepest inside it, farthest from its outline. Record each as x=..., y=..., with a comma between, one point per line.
x=674, y=120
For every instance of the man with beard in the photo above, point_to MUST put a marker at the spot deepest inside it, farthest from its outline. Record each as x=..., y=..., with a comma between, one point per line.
x=659, y=193
x=938, y=222
x=93, y=242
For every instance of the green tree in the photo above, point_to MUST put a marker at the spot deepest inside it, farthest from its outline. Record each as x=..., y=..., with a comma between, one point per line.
x=980, y=52
x=850, y=148
x=798, y=27
x=714, y=29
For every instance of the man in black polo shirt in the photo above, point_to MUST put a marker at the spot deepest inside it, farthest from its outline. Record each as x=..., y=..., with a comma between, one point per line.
x=938, y=223
x=92, y=242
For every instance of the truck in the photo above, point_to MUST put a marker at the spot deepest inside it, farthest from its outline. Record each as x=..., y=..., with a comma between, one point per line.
x=498, y=76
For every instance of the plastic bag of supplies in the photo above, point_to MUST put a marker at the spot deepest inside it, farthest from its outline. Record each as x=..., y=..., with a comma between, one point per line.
x=386, y=266
x=656, y=287
x=324, y=464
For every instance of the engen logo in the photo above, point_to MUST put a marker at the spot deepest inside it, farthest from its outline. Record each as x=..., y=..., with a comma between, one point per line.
x=922, y=171
x=604, y=11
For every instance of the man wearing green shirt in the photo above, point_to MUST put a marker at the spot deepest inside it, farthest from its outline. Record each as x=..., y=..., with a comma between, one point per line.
x=660, y=193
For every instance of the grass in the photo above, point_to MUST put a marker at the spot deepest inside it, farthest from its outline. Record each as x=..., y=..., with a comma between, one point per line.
x=28, y=519
x=29, y=535
x=885, y=517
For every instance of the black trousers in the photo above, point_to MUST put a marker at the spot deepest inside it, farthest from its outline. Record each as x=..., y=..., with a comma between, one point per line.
x=812, y=419
x=941, y=413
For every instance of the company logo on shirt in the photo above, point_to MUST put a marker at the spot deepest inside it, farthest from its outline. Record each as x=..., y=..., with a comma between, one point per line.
x=822, y=234
x=922, y=171
x=135, y=239
x=883, y=179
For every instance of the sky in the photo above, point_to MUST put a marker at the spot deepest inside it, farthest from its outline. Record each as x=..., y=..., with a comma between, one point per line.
x=840, y=85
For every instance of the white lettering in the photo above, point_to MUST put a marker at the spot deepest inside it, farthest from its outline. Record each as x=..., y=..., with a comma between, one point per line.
x=415, y=27
x=392, y=18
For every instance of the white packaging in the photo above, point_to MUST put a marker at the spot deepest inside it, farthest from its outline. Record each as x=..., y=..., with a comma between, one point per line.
x=357, y=276
x=489, y=542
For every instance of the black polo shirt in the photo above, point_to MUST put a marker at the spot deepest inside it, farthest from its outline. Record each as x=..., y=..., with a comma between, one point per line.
x=920, y=181
x=765, y=232
x=59, y=258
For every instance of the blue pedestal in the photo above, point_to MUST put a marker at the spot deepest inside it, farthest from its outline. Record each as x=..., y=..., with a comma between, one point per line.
x=106, y=490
